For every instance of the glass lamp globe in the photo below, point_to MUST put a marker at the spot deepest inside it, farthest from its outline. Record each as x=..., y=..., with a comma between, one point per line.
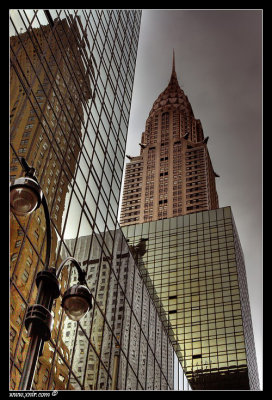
x=25, y=196
x=76, y=301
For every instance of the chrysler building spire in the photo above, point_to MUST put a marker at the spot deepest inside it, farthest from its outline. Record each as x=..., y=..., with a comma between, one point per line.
x=173, y=79
x=173, y=65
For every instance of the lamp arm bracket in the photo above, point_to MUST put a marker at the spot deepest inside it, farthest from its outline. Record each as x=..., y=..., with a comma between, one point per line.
x=29, y=171
x=81, y=273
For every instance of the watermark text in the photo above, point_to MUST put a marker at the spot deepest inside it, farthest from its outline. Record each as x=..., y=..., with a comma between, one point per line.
x=33, y=394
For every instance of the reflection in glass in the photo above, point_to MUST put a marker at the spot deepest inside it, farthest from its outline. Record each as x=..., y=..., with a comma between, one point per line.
x=80, y=348
x=194, y=282
x=58, y=118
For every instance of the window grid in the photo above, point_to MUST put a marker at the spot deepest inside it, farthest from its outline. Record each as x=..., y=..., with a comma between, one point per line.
x=83, y=134
x=193, y=264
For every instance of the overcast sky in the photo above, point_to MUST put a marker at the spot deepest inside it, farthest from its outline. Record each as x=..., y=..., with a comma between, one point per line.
x=218, y=57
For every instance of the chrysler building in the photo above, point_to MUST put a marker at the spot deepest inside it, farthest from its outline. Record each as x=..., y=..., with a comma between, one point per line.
x=173, y=175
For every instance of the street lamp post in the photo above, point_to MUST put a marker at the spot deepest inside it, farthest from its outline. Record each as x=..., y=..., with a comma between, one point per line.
x=25, y=197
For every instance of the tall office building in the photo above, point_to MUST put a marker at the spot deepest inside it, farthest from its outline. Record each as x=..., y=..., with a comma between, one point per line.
x=173, y=175
x=46, y=113
x=191, y=257
x=71, y=81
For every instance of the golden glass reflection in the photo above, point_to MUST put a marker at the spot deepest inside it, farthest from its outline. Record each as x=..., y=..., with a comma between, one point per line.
x=200, y=270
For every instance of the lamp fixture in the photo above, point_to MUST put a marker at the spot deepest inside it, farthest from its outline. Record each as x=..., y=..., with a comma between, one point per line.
x=25, y=197
x=25, y=193
x=76, y=301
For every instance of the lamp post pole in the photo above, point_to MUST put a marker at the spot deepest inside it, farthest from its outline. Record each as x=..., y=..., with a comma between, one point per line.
x=39, y=320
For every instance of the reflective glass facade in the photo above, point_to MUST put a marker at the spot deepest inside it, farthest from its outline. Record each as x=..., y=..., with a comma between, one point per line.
x=127, y=334
x=71, y=80
x=195, y=267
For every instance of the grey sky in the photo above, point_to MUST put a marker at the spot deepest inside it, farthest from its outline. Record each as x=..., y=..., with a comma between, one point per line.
x=218, y=56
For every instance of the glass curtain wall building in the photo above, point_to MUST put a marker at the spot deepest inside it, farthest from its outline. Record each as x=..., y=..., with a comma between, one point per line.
x=195, y=267
x=71, y=80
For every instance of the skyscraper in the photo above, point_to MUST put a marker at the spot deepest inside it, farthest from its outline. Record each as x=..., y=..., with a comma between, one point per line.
x=173, y=175
x=71, y=80
x=190, y=251
x=46, y=114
